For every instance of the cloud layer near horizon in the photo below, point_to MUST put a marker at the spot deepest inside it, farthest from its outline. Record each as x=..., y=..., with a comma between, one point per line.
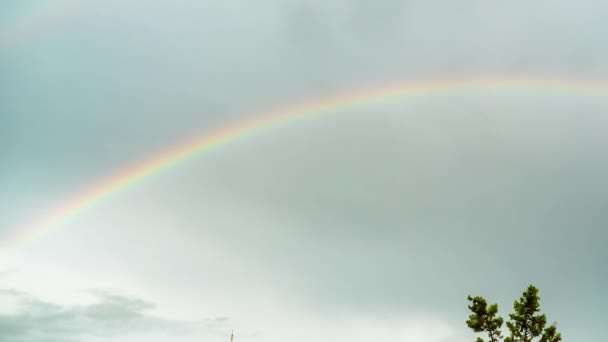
x=107, y=317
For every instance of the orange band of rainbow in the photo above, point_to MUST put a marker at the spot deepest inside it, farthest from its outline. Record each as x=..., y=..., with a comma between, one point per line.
x=208, y=141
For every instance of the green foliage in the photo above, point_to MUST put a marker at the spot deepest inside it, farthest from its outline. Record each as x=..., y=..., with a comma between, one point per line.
x=525, y=324
x=484, y=319
x=551, y=335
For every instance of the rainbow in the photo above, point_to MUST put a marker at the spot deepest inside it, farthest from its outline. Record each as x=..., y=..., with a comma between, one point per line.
x=33, y=18
x=208, y=141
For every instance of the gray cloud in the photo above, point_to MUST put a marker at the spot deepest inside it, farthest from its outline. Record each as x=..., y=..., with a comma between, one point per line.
x=386, y=210
x=110, y=316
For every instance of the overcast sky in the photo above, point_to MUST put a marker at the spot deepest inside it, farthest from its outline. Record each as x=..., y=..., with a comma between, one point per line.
x=373, y=224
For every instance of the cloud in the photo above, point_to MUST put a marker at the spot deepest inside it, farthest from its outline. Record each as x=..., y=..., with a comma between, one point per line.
x=5, y=273
x=109, y=316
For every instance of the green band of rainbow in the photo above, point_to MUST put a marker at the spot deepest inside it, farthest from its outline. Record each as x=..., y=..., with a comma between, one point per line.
x=206, y=142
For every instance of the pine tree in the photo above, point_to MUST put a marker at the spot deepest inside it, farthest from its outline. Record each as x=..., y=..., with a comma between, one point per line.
x=525, y=324
x=485, y=319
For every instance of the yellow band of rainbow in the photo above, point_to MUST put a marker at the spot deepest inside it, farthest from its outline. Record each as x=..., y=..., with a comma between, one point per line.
x=208, y=141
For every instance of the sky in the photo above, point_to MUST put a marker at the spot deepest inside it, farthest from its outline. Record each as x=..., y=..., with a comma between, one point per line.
x=373, y=224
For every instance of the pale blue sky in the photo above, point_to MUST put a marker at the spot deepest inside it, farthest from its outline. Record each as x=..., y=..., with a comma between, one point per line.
x=370, y=225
